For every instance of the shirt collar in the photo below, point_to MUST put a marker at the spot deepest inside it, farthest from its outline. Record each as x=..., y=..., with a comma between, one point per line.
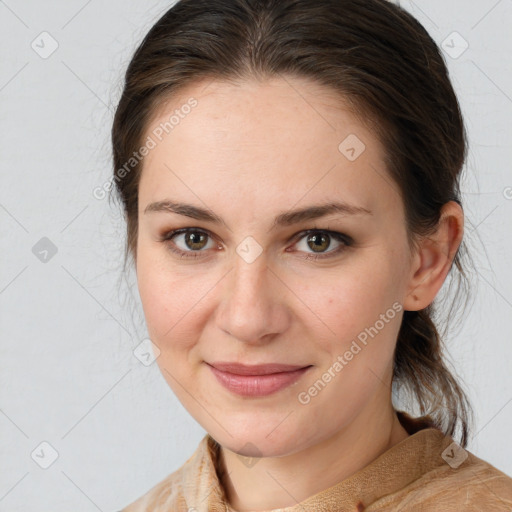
x=393, y=470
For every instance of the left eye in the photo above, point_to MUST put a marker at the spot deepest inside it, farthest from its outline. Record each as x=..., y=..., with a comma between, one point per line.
x=319, y=241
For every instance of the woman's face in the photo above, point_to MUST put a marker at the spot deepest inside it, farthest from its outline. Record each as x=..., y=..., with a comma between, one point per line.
x=249, y=164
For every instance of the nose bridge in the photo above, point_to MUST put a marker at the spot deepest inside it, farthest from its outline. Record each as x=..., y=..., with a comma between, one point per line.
x=249, y=308
x=249, y=261
x=250, y=272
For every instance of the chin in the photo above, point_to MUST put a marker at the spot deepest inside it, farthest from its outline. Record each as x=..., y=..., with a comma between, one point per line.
x=252, y=440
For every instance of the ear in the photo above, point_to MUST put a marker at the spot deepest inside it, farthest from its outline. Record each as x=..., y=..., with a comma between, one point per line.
x=433, y=258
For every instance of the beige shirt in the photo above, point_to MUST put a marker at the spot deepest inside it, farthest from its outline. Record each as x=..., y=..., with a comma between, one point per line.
x=426, y=472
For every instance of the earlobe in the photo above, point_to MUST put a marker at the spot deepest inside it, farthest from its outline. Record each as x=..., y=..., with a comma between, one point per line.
x=433, y=258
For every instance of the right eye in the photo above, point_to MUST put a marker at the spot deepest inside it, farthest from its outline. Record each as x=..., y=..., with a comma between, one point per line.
x=187, y=242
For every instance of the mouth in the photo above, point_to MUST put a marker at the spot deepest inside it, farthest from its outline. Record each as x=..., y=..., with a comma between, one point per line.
x=256, y=380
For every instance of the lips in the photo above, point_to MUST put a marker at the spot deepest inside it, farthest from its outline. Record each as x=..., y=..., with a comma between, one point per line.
x=256, y=380
x=257, y=369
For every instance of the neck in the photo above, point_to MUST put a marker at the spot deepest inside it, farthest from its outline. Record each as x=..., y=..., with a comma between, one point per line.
x=279, y=482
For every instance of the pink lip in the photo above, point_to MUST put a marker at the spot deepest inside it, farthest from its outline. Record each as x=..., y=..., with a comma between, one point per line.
x=256, y=380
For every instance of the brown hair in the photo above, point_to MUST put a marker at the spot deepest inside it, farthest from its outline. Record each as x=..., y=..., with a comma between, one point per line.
x=374, y=55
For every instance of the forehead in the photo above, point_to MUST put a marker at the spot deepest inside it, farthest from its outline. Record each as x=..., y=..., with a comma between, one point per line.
x=285, y=136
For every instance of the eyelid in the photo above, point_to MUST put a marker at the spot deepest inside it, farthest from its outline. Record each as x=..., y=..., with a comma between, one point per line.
x=330, y=232
x=171, y=234
x=345, y=240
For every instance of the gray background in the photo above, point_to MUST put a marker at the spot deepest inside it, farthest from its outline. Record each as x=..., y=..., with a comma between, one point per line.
x=70, y=321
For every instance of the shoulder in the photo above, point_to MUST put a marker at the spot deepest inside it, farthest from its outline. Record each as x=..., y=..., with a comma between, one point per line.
x=175, y=490
x=473, y=485
x=476, y=483
x=166, y=491
x=455, y=479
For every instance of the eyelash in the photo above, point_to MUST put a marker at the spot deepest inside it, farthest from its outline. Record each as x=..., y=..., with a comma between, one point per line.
x=339, y=237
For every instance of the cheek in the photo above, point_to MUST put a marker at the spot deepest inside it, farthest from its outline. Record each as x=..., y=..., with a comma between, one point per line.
x=360, y=307
x=169, y=300
x=348, y=298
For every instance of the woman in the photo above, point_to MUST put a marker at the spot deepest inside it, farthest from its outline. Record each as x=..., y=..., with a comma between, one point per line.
x=289, y=171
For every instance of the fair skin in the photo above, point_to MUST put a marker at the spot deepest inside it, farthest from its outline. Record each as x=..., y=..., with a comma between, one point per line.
x=247, y=153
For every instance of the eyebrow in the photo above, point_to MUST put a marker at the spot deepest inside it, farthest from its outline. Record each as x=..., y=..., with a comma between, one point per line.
x=284, y=219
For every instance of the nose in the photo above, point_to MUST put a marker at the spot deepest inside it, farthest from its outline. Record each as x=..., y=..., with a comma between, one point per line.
x=253, y=307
